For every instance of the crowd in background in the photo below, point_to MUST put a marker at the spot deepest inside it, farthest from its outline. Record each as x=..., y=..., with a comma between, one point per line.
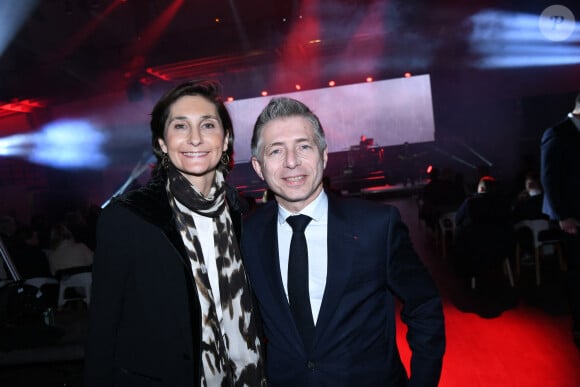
x=44, y=248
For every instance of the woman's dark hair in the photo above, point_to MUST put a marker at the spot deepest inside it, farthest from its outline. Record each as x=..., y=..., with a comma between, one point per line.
x=209, y=89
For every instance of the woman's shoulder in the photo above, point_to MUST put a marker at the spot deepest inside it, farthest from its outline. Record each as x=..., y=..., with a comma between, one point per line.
x=149, y=202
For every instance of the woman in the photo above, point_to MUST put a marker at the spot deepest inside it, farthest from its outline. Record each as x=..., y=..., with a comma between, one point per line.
x=170, y=302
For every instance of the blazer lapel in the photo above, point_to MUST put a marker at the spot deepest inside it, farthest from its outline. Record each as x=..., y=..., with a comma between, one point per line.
x=341, y=249
x=269, y=258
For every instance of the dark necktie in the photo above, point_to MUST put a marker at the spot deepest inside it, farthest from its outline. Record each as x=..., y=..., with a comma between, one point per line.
x=298, y=293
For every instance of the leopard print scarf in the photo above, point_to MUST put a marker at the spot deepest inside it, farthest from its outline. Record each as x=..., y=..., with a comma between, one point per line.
x=231, y=351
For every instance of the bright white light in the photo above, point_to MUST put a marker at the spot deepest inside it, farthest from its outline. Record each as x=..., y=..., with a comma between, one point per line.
x=502, y=39
x=62, y=144
x=14, y=145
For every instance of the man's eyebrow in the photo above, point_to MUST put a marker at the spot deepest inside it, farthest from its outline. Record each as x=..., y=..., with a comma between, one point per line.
x=281, y=143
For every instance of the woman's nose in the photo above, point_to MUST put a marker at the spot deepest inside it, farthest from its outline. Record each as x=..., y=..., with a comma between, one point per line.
x=195, y=136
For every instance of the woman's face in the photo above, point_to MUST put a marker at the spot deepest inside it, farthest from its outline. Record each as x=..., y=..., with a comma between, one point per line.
x=194, y=140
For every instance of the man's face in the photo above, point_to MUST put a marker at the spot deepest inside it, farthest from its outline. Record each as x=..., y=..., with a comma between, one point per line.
x=291, y=164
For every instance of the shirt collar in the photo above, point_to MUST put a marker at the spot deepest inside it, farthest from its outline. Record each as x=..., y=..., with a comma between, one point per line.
x=316, y=210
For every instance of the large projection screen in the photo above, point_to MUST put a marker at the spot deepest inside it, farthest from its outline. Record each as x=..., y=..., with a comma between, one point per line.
x=392, y=112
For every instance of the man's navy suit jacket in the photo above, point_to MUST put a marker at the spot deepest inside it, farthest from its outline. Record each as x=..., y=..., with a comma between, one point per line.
x=370, y=261
x=560, y=176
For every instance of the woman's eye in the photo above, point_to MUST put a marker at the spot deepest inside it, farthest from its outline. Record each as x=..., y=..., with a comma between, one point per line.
x=208, y=125
x=179, y=126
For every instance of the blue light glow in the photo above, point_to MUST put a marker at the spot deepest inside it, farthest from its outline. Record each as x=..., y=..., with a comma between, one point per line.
x=62, y=144
x=502, y=39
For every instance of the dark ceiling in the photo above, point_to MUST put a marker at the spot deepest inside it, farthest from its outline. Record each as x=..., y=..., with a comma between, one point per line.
x=70, y=49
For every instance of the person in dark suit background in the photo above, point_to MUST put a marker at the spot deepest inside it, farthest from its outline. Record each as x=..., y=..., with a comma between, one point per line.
x=360, y=257
x=170, y=302
x=483, y=229
x=560, y=172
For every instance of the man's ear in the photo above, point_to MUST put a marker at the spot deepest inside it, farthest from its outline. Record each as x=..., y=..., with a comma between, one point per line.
x=324, y=157
x=257, y=167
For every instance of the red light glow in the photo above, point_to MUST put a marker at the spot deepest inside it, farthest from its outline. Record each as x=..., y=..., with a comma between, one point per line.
x=264, y=93
x=408, y=75
x=331, y=83
x=369, y=79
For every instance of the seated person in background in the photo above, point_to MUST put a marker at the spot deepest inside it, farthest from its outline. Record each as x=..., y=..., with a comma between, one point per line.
x=66, y=252
x=528, y=204
x=440, y=195
x=483, y=233
x=30, y=260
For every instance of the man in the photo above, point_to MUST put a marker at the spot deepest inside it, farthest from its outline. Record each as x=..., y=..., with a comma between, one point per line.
x=359, y=257
x=483, y=230
x=561, y=180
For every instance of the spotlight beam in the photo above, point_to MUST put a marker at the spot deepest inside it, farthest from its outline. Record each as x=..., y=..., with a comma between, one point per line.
x=437, y=149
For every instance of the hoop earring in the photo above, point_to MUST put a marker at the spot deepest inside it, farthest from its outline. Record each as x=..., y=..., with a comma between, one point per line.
x=225, y=160
x=165, y=161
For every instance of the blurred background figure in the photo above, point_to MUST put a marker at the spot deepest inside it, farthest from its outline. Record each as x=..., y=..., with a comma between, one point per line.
x=484, y=232
x=30, y=259
x=66, y=253
x=560, y=150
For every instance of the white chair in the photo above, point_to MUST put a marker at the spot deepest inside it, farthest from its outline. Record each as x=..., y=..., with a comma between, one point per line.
x=536, y=226
x=41, y=281
x=80, y=282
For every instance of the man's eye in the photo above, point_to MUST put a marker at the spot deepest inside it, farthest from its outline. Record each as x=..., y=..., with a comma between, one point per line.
x=275, y=152
x=179, y=126
x=208, y=125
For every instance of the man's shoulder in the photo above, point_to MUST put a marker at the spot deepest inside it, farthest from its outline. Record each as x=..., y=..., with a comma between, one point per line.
x=563, y=129
x=261, y=213
x=354, y=206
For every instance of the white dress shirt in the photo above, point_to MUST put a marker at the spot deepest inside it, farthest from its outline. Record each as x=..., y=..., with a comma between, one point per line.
x=316, y=240
x=204, y=228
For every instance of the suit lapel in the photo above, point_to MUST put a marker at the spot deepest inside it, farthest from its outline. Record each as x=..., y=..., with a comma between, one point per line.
x=341, y=250
x=269, y=258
